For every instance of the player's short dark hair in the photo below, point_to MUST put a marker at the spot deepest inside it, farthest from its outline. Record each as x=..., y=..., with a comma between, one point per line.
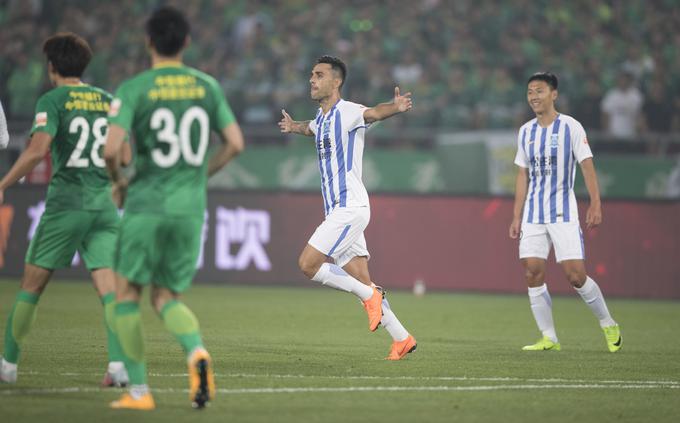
x=547, y=77
x=167, y=29
x=336, y=64
x=69, y=54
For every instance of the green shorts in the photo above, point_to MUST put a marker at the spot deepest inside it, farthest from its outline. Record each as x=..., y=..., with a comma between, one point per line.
x=92, y=233
x=159, y=249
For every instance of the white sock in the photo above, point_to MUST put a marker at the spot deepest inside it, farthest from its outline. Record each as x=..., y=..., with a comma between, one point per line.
x=541, y=307
x=333, y=276
x=115, y=367
x=138, y=391
x=591, y=294
x=391, y=324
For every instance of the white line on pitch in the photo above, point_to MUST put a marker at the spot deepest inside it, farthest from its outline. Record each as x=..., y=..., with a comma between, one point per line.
x=367, y=377
x=297, y=390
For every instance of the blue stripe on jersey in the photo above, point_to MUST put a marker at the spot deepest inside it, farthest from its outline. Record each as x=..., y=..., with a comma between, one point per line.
x=583, y=247
x=350, y=149
x=524, y=136
x=553, y=173
x=340, y=153
x=532, y=138
x=329, y=166
x=350, y=146
x=319, y=121
x=567, y=174
x=342, y=236
x=541, y=190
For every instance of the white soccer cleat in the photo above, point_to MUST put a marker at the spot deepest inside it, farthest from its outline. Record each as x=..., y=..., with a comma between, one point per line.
x=8, y=372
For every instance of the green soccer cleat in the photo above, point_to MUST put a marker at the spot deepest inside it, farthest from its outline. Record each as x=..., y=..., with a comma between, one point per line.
x=543, y=344
x=613, y=336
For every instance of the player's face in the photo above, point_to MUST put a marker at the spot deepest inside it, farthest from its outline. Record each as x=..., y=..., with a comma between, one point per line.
x=541, y=96
x=322, y=81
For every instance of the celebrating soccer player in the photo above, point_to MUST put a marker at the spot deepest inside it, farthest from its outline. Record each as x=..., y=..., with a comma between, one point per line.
x=70, y=122
x=545, y=211
x=170, y=111
x=339, y=129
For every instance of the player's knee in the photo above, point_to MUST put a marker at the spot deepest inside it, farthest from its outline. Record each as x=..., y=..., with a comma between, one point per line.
x=534, y=276
x=308, y=266
x=576, y=278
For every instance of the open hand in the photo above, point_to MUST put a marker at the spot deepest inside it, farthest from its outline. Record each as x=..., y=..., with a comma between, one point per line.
x=403, y=102
x=593, y=216
x=286, y=122
x=514, y=229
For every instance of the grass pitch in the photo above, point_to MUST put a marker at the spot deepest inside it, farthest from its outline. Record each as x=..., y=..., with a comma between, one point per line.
x=306, y=355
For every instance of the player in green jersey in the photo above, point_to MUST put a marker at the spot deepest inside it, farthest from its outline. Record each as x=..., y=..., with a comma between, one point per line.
x=70, y=122
x=169, y=110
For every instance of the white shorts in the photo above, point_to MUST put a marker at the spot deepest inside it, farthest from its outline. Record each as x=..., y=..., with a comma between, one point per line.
x=536, y=240
x=341, y=234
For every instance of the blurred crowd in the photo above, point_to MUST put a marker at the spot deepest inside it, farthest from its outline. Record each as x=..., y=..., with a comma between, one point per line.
x=466, y=62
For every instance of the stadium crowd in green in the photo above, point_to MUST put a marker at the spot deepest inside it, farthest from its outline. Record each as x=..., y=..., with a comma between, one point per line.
x=466, y=61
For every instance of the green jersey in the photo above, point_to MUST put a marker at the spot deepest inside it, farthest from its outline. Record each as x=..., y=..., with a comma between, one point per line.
x=75, y=117
x=170, y=111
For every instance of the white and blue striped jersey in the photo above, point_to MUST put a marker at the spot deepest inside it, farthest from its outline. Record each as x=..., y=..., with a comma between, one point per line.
x=551, y=155
x=339, y=136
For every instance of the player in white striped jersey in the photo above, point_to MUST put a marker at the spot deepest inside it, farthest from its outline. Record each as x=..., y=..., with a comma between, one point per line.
x=545, y=210
x=338, y=129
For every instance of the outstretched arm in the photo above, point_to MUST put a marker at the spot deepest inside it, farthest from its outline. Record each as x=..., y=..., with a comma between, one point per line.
x=32, y=155
x=400, y=104
x=594, y=213
x=290, y=126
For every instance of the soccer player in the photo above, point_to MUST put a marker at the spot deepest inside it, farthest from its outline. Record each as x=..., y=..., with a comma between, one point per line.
x=70, y=122
x=339, y=129
x=545, y=211
x=170, y=110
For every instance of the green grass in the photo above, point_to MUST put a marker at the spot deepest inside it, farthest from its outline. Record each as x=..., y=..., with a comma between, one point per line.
x=318, y=338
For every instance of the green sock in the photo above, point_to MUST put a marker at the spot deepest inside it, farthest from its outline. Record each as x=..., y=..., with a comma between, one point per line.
x=114, y=349
x=128, y=324
x=19, y=323
x=182, y=323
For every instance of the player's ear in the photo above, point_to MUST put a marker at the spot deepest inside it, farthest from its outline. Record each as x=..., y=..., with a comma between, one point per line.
x=187, y=42
x=147, y=43
x=554, y=94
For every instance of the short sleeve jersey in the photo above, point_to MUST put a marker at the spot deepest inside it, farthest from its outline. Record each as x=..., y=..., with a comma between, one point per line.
x=339, y=136
x=550, y=154
x=75, y=117
x=170, y=111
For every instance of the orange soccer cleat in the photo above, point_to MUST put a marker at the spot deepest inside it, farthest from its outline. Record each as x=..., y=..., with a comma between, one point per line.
x=373, y=307
x=201, y=378
x=145, y=402
x=401, y=348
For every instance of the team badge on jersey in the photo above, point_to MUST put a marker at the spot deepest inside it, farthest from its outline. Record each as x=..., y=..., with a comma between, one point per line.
x=41, y=119
x=553, y=140
x=115, y=107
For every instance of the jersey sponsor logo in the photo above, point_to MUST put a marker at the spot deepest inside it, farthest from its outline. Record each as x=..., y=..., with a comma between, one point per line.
x=553, y=140
x=41, y=119
x=115, y=107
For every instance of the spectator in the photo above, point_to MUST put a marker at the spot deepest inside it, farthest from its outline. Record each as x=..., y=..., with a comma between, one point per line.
x=621, y=108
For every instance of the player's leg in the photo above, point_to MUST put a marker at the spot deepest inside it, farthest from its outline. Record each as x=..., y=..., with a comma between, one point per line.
x=181, y=239
x=97, y=251
x=402, y=342
x=21, y=318
x=128, y=324
x=52, y=246
x=534, y=247
x=104, y=281
x=570, y=253
x=135, y=262
x=338, y=232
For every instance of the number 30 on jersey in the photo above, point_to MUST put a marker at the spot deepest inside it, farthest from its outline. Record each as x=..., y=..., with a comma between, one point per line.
x=179, y=142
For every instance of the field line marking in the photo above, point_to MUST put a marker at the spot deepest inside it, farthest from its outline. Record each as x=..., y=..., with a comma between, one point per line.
x=342, y=389
x=369, y=377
